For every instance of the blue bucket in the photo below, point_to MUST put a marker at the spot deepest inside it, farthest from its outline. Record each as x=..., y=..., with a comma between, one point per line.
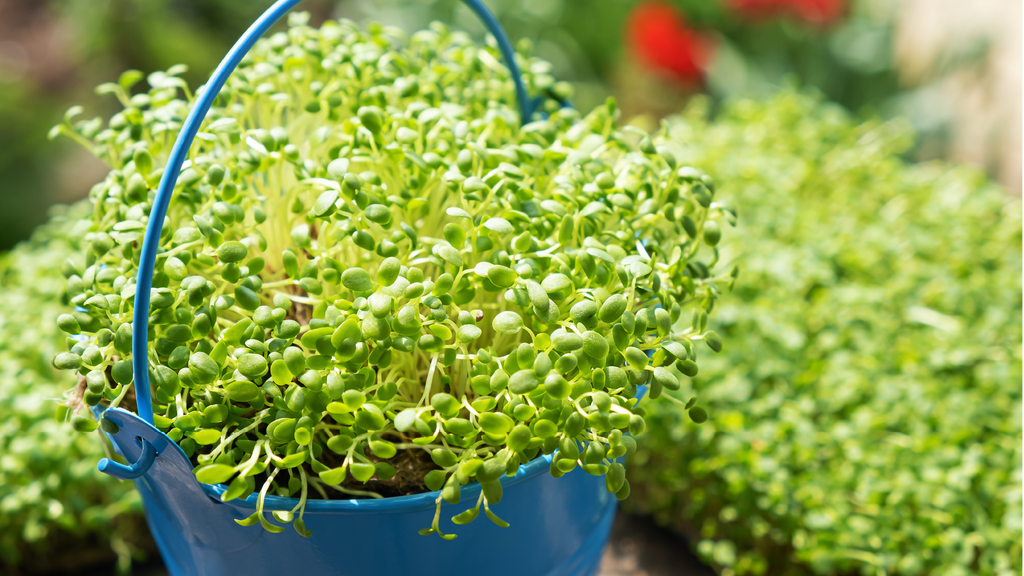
x=558, y=526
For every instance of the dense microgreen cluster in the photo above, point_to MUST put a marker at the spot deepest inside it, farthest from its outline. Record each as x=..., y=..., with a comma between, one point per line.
x=53, y=505
x=867, y=418
x=367, y=254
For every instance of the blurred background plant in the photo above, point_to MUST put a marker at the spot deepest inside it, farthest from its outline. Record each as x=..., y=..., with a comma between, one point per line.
x=53, y=52
x=865, y=413
x=56, y=512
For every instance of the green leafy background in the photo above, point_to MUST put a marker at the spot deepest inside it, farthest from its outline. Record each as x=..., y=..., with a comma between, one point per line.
x=865, y=413
x=56, y=510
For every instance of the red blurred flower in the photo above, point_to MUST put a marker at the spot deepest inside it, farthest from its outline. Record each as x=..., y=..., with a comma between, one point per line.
x=821, y=12
x=657, y=34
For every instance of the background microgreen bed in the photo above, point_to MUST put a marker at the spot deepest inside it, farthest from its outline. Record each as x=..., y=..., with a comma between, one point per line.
x=372, y=281
x=866, y=417
x=55, y=511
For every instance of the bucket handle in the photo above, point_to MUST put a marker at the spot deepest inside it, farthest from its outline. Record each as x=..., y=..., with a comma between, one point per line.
x=205, y=97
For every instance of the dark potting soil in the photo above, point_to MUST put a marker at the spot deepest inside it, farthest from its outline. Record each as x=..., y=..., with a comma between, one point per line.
x=411, y=467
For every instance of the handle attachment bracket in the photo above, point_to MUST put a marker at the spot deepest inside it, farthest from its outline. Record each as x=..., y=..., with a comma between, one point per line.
x=136, y=470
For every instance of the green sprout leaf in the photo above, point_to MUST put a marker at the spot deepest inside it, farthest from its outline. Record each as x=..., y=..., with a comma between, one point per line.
x=357, y=280
x=507, y=323
x=215, y=473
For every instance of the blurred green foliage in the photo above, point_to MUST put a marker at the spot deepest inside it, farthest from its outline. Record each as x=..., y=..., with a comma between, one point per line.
x=866, y=410
x=56, y=510
x=850, y=60
x=89, y=42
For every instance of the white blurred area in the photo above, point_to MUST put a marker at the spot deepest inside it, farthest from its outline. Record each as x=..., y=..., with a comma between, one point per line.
x=962, y=62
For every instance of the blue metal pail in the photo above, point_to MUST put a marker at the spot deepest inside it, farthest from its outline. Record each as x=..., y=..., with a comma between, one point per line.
x=558, y=526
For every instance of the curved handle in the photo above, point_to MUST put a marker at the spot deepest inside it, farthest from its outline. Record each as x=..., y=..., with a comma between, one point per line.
x=134, y=471
x=204, y=100
x=526, y=106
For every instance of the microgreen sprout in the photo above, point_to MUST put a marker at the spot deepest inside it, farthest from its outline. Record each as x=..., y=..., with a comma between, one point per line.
x=367, y=254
